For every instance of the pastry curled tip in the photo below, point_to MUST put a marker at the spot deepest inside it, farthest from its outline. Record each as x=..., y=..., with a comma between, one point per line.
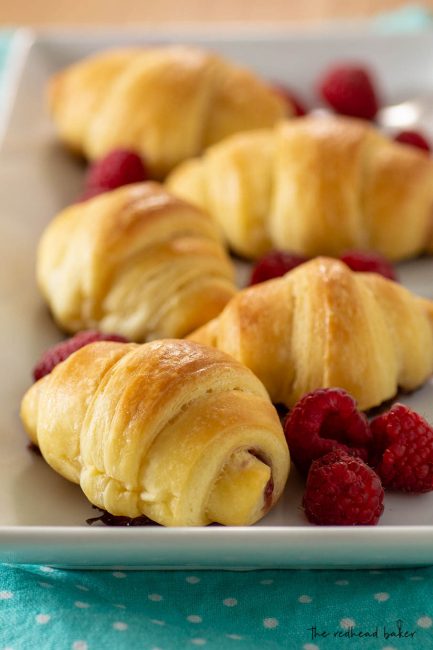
x=239, y=496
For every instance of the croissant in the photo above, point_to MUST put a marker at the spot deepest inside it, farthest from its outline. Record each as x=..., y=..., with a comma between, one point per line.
x=135, y=261
x=169, y=103
x=316, y=186
x=323, y=325
x=170, y=429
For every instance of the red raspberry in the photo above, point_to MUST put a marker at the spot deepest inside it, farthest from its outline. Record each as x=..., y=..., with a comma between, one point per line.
x=275, y=264
x=291, y=98
x=342, y=491
x=403, y=450
x=119, y=167
x=322, y=421
x=64, y=349
x=364, y=262
x=349, y=89
x=414, y=138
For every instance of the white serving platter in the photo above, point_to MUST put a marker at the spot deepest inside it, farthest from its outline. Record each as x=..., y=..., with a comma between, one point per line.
x=42, y=516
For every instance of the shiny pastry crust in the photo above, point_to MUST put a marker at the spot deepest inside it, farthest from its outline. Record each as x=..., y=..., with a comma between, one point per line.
x=171, y=429
x=169, y=103
x=135, y=261
x=315, y=186
x=323, y=325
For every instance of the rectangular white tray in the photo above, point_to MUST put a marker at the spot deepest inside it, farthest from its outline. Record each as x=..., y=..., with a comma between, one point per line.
x=42, y=517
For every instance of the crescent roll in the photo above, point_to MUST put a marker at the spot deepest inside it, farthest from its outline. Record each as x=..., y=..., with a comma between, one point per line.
x=323, y=325
x=135, y=261
x=168, y=103
x=170, y=429
x=315, y=186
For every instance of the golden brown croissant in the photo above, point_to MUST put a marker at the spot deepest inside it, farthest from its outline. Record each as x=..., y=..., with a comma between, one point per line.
x=169, y=103
x=323, y=325
x=316, y=186
x=135, y=261
x=170, y=429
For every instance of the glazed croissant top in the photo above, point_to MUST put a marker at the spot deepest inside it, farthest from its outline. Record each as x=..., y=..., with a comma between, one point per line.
x=316, y=186
x=169, y=103
x=135, y=261
x=322, y=325
x=170, y=429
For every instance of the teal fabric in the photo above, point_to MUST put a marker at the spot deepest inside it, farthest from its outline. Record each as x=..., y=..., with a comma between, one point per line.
x=51, y=609
x=43, y=608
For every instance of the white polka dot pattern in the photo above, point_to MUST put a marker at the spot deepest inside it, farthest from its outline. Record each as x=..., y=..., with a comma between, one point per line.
x=79, y=645
x=425, y=622
x=305, y=599
x=5, y=595
x=42, y=619
x=155, y=597
x=381, y=597
x=120, y=626
x=346, y=623
x=270, y=623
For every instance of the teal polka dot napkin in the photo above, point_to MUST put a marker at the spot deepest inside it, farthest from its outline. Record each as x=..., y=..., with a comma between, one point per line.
x=45, y=608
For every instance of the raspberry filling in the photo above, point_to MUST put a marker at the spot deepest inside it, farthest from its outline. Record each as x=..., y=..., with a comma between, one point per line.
x=116, y=520
x=323, y=421
x=269, y=489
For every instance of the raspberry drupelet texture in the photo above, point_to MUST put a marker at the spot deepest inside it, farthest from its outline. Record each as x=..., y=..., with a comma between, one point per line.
x=119, y=167
x=275, y=264
x=413, y=138
x=364, y=262
x=342, y=491
x=402, y=450
x=64, y=349
x=322, y=421
x=349, y=90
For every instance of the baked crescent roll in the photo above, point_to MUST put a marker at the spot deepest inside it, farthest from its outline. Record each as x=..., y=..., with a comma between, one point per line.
x=316, y=186
x=323, y=325
x=168, y=103
x=135, y=261
x=170, y=429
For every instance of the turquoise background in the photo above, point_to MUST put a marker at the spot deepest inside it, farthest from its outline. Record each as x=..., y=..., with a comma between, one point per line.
x=44, y=608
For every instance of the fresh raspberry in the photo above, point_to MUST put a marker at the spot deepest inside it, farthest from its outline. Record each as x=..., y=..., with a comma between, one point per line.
x=322, y=421
x=119, y=167
x=291, y=98
x=349, y=90
x=364, y=262
x=403, y=450
x=342, y=491
x=64, y=349
x=275, y=264
x=414, y=138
